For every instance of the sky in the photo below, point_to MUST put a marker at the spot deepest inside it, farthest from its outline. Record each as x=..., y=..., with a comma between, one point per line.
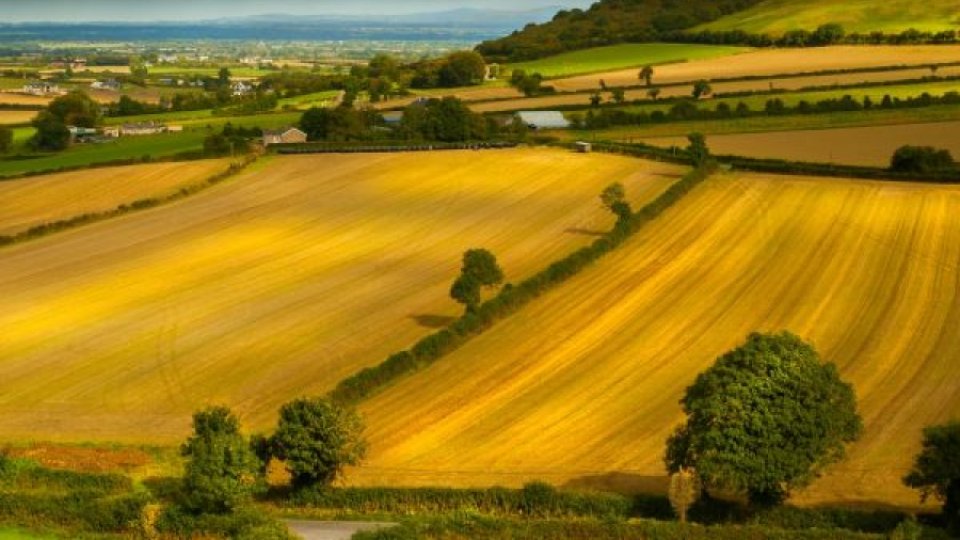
x=179, y=10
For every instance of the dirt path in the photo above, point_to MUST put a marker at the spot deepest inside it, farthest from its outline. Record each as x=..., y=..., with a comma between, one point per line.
x=332, y=530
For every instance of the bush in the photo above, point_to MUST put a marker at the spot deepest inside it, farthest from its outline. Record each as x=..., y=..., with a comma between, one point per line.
x=245, y=524
x=921, y=159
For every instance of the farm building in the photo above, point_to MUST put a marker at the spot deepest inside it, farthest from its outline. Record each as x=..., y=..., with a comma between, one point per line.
x=392, y=118
x=40, y=88
x=543, y=119
x=142, y=128
x=109, y=84
x=583, y=147
x=284, y=136
x=81, y=134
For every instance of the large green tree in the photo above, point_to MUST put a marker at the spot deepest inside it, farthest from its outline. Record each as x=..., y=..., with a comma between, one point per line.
x=462, y=68
x=222, y=471
x=76, y=109
x=51, y=133
x=766, y=418
x=698, y=150
x=316, y=439
x=936, y=471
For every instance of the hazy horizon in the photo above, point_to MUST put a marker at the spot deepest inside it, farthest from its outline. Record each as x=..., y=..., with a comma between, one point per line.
x=19, y=11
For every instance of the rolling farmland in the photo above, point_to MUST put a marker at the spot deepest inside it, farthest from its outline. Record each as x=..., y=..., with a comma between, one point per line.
x=770, y=62
x=628, y=55
x=16, y=117
x=277, y=284
x=581, y=387
x=778, y=16
x=869, y=146
x=32, y=201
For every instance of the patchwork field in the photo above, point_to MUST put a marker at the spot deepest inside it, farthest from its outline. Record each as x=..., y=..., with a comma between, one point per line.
x=778, y=16
x=620, y=56
x=35, y=200
x=582, y=387
x=277, y=284
x=10, y=98
x=871, y=146
x=16, y=117
x=769, y=62
x=760, y=85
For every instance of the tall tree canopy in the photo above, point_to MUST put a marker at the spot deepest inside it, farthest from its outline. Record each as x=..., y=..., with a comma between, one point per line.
x=766, y=418
x=936, y=471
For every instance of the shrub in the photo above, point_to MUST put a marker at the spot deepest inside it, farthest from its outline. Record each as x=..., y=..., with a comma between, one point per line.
x=921, y=159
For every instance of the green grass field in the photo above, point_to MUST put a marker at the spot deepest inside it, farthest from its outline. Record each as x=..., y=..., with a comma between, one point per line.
x=756, y=124
x=790, y=99
x=18, y=534
x=155, y=146
x=624, y=56
x=318, y=99
x=779, y=16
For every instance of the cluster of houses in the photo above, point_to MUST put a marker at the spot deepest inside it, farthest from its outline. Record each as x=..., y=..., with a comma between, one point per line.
x=42, y=88
x=112, y=85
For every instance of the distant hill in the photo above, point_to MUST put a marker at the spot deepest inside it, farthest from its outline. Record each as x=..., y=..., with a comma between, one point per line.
x=467, y=25
x=607, y=22
x=774, y=17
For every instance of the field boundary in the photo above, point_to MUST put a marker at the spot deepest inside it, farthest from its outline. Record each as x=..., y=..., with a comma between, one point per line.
x=46, y=229
x=509, y=300
x=779, y=166
x=336, y=148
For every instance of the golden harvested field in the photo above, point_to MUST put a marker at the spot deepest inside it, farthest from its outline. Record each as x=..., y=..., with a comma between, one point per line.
x=775, y=62
x=759, y=85
x=35, y=200
x=11, y=98
x=870, y=146
x=16, y=117
x=277, y=284
x=582, y=387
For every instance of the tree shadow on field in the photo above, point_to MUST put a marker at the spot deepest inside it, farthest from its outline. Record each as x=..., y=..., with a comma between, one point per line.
x=433, y=321
x=617, y=482
x=585, y=232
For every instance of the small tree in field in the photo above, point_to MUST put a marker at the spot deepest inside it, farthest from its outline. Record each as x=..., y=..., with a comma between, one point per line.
x=316, y=439
x=654, y=93
x=596, y=99
x=222, y=472
x=684, y=490
x=766, y=418
x=614, y=198
x=936, y=471
x=618, y=95
x=6, y=139
x=646, y=75
x=697, y=148
x=479, y=270
x=701, y=88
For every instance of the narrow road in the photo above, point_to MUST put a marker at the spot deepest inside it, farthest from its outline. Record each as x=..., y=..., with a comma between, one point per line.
x=332, y=530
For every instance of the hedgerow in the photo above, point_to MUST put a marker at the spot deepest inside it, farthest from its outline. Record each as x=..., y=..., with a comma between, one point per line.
x=510, y=299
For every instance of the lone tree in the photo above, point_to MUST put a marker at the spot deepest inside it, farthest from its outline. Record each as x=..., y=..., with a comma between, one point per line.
x=618, y=95
x=698, y=150
x=685, y=488
x=646, y=75
x=701, y=88
x=316, y=439
x=222, y=471
x=654, y=93
x=936, y=470
x=614, y=198
x=765, y=419
x=479, y=270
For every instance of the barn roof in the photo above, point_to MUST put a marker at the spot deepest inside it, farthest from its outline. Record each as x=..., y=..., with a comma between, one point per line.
x=544, y=119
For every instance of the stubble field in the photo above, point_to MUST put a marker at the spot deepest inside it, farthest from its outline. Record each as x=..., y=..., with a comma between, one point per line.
x=276, y=284
x=581, y=388
x=35, y=200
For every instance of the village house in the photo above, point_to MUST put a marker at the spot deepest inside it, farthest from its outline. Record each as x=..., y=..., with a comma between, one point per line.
x=241, y=88
x=40, y=88
x=284, y=136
